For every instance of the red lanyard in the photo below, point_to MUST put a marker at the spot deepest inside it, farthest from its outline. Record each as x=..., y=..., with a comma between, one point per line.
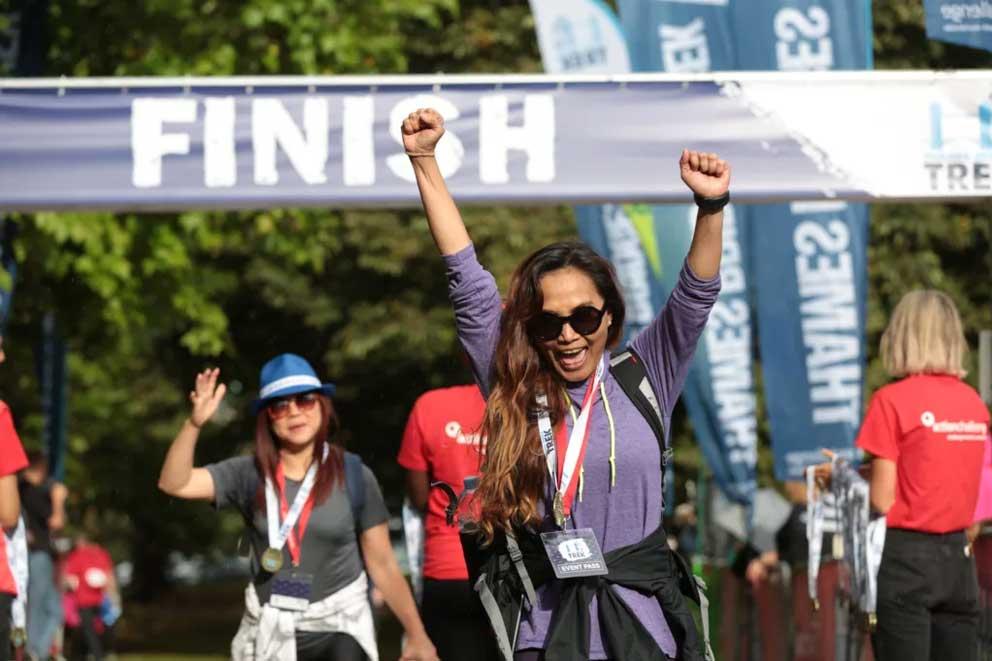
x=561, y=447
x=295, y=537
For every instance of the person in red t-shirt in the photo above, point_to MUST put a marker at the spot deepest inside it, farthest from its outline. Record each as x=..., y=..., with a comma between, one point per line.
x=12, y=460
x=89, y=574
x=926, y=436
x=442, y=444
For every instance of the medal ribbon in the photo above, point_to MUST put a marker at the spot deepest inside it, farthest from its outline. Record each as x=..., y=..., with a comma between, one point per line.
x=565, y=456
x=280, y=535
x=294, y=539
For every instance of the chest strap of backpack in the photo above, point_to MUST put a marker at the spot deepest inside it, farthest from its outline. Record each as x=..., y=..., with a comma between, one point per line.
x=354, y=482
x=629, y=371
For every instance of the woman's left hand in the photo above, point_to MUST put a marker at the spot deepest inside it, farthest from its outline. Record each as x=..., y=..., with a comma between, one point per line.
x=706, y=174
x=419, y=648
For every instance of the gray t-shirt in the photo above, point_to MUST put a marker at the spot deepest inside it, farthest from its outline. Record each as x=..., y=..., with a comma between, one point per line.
x=330, y=547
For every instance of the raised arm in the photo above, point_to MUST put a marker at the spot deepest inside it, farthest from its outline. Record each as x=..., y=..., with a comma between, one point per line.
x=178, y=477
x=669, y=342
x=472, y=289
x=708, y=177
x=421, y=132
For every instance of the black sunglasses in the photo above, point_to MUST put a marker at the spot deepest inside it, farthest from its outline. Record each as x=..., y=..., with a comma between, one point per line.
x=584, y=320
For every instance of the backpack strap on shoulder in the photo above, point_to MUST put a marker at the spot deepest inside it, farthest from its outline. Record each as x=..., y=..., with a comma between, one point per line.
x=354, y=481
x=628, y=369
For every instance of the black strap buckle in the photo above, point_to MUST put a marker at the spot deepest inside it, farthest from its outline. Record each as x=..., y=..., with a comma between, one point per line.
x=470, y=484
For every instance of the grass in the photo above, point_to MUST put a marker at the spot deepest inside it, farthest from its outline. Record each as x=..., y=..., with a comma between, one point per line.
x=170, y=657
x=197, y=624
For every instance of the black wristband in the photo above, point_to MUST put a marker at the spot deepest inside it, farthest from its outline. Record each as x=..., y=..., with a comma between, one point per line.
x=711, y=204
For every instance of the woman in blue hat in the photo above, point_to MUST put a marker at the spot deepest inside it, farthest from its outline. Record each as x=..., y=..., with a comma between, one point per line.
x=313, y=512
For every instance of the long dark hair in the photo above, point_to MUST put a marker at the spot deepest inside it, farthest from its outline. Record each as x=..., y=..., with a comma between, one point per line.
x=514, y=470
x=329, y=475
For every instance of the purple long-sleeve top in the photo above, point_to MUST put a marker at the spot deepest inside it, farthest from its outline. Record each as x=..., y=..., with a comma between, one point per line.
x=629, y=511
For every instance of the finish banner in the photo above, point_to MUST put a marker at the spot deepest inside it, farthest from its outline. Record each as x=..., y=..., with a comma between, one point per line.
x=221, y=143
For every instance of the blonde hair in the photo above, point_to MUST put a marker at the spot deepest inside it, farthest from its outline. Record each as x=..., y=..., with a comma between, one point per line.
x=924, y=336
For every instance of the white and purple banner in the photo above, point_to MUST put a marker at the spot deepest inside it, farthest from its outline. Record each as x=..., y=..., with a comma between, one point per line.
x=220, y=143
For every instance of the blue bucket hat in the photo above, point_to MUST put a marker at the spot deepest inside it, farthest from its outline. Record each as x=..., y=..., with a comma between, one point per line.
x=287, y=374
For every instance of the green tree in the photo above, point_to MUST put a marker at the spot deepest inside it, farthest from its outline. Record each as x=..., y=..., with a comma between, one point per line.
x=147, y=300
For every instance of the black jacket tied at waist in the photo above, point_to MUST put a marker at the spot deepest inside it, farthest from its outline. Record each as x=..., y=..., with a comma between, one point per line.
x=502, y=576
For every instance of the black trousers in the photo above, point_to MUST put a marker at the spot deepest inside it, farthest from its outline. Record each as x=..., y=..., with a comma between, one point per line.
x=6, y=600
x=86, y=640
x=316, y=646
x=927, y=598
x=455, y=622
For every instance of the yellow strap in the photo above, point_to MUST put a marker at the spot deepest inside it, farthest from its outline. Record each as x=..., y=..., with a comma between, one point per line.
x=613, y=438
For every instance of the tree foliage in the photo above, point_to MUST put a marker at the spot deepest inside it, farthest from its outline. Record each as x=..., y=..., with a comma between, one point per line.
x=145, y=301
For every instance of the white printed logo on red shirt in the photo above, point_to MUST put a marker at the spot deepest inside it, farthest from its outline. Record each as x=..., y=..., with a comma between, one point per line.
x=454, y=430
x=955, y=430
x=95, y=578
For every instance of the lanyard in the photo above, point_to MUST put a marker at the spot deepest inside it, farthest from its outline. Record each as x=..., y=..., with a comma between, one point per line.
x=814, y=533
x=562, y=461
x=613, y=438
x=301, y=509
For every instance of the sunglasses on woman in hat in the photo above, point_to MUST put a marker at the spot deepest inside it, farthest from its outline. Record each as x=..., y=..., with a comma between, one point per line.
x=297, y=495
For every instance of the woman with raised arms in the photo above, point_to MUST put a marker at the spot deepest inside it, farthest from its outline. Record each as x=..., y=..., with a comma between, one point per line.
x=572, y=464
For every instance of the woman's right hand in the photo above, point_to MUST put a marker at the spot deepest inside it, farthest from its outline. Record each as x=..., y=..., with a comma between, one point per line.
x=824, y=472
x=206, y=396
x=422, y=129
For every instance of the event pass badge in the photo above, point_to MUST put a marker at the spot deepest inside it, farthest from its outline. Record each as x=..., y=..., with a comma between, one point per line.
x=291, y=591
x=574, y=553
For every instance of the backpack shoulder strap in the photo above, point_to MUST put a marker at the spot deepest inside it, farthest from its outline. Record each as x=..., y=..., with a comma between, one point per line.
x=354, y=480
x=628, y=369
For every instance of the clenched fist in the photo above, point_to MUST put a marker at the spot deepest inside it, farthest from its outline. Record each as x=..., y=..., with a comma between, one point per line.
x=706, y=175
x=421, y=131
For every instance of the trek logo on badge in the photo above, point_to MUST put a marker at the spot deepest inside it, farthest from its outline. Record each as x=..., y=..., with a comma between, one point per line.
x=574, y=550
x=574, y=553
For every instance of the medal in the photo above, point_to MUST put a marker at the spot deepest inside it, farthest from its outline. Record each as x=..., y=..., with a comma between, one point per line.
x=276, y=507
x=18, y=637
x=558, y=508
x=272, y=560
x=564, y=452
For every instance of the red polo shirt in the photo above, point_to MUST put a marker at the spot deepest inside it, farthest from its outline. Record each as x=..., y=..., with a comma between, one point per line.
x=88, y=567
x=935, y=428
x=442, y=438
x=12, y=460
